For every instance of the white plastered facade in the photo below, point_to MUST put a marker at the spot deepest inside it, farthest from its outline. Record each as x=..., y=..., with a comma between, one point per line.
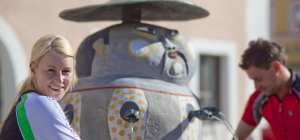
x=257, y=26
x=13, y=68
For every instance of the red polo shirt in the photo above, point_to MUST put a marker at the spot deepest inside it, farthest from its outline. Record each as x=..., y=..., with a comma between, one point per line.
x=283, y=116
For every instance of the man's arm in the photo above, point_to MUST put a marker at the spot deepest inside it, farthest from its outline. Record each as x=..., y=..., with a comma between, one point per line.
x=244, y=130
x=247, y=123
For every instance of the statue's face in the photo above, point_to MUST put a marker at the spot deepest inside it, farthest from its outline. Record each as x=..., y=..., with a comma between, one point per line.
x=143, y=50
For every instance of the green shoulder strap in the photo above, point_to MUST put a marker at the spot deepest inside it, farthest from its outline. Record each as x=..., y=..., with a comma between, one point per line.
x=23, y=121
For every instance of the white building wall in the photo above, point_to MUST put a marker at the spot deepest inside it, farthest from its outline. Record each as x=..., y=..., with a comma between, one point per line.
x=13, y=66
x=257, y=26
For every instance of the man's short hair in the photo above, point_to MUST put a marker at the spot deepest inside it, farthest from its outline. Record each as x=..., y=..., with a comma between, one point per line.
x=261, y=53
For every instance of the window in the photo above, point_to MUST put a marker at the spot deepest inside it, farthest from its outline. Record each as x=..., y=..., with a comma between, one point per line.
x=215, y=83
x=209, y=77
x=210, y=95
x=294, y=16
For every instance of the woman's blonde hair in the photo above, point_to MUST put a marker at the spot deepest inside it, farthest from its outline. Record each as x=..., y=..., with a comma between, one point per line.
x=45, y=44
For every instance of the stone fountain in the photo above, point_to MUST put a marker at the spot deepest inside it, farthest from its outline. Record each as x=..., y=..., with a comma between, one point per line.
x=133, y=77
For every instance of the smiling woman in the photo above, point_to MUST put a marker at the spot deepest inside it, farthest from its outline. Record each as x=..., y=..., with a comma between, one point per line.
x=35, y=113
x=53, y=75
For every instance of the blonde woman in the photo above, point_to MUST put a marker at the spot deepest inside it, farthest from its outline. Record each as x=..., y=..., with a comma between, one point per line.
x=35, y=113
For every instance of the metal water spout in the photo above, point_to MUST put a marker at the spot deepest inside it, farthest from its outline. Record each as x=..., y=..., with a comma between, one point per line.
x=204, y=113
x=209, y=113
x=130, y=112
x=131, y=116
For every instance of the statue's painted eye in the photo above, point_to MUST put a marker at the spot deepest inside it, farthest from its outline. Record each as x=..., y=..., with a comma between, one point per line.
x=190, y=48
x=175, y=35
x=146, y=30
x=139, y=47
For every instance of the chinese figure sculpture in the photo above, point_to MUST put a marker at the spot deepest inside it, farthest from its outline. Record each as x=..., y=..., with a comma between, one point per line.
x=133, y=77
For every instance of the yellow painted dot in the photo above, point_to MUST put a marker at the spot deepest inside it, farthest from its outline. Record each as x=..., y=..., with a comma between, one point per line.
x=142, y=110
x=123, y=94
x=70, y=95
x=142, y=127
x=138, y=138
x=191, y=100
x=77, y=128
x=76, y=95
x=117, y=112
x=141, y=102
x=196, y=130
x=121, y=102
x=188, y=138
x=182, y=109
x=183, y=117
x=77, y=119
x=111, y=118
x=181, y=100
x=71, y=99
x=135, y=128
x=183, y=128
x=140, y=121
x=186, y=99
x=113, y=129
x=131, y=91
x=77, y=101
x=131, y=98
x=126, y=125
x=129, y=136
x=193, y=138
x=117, y=91
x=139, y=94
x=73, y=124
x=66, y=95
x=115, y=139
x=119, y=122
x=75, y=110
x=115, y=98
x=65, y=101
x=122, y=133
x=188, y=128
x=192, y=132
x=111, y=107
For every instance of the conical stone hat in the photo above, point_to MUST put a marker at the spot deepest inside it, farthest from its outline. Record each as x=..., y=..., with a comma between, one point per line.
x=151, y=10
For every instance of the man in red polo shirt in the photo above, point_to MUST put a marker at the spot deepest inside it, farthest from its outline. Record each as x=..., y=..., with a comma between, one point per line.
x=277, y=93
